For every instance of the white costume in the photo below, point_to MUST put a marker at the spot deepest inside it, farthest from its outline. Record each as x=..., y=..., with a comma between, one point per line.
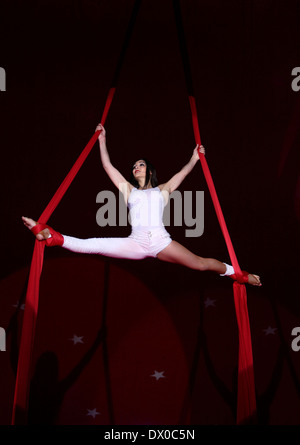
x=148, y=236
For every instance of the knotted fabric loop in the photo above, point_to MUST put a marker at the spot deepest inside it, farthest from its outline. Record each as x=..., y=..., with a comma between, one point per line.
x=56, y=238
x=38, y=228
x=241, y=278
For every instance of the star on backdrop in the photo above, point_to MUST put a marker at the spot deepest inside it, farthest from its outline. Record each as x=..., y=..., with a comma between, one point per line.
x=76, y=339
x=92, y=412
x=22, y=306
x=158, y=375
x=270, y=330
x=209, y=302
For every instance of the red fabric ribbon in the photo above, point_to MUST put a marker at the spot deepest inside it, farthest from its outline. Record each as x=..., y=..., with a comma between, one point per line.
x=20, y=403
x=246, y=403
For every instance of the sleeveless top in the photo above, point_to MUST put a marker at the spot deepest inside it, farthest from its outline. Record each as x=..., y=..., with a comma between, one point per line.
x=146, y=208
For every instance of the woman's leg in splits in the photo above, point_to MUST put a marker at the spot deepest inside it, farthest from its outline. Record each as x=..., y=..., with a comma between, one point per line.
x=176, y=253
x=125, y=248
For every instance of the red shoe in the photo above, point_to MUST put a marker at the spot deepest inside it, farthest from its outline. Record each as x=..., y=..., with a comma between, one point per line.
x=56, y=238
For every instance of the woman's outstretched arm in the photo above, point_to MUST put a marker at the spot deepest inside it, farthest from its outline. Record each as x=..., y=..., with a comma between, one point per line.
x=116, y=177
x=177, y=179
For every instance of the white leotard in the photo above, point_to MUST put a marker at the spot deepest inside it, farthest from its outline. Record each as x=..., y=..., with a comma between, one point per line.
x=148, y=236
x=146, y=208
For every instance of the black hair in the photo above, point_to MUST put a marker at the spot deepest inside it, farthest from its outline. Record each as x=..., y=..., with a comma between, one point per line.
x=152, y=177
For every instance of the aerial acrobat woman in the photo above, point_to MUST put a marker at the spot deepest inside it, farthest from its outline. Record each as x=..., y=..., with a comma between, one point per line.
x=145, y=199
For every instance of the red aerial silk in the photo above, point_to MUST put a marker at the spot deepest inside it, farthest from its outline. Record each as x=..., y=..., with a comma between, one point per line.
x=246, y=403
x=32, y=296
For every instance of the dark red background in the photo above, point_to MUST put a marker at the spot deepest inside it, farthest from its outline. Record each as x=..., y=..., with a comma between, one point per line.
x=138, y=317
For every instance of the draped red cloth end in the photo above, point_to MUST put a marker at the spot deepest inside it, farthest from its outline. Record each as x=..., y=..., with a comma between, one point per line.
x=246, y=403
x=28, y=331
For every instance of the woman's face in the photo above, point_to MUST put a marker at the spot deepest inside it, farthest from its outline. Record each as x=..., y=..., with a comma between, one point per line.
x=139, y=169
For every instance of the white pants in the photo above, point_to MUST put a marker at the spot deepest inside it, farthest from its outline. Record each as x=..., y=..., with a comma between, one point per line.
x=140, y=244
